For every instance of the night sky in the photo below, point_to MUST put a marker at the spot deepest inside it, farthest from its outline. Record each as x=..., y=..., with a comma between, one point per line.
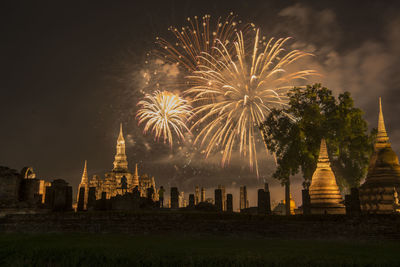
x=71, y=72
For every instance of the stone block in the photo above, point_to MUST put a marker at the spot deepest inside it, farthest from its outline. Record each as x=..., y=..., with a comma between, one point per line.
x=81, y=199
x=174, y=198
x=305, y=195
x=243, y=198
x=192, y=200
x=229, y=203
x=10, y=182
x=218, y=199
x=261, y=202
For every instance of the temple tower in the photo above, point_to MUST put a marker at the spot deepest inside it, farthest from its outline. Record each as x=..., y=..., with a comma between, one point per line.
x=135, y=178
x=120, y=162
x=325, y=197
x=383, y=177
x=84, y=184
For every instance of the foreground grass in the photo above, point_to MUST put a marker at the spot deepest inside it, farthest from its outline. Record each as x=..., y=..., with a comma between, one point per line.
x=121, y=250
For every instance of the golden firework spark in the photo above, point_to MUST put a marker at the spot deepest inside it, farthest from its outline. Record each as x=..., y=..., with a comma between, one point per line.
x=235, y=90
x=164, y=113
x=199, y=36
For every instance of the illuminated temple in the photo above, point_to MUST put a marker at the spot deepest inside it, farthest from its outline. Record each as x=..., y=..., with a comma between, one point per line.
x=379, y=193
x=325, y=197
x=119, y=180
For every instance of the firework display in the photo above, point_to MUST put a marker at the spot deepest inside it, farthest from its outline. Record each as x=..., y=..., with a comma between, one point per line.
x=235, y=91
x=164, y=113
x=233, y=78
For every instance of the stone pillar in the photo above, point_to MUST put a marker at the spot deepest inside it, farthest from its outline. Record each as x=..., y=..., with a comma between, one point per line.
x=91, y=198
x=229, y=203
x=266, y=187
x=243, y=198
x=352, y=202
x=223, y=196
x=262, y=202
x=182, y=201
x=81, y=199
x=197, y=195
x=29, y=188
x=306, y=201
x=192, y=201
x=49, y=199
x=355, y=201
x=218, y=199
x=203, y=195
x=267, y=199
x=174, y=198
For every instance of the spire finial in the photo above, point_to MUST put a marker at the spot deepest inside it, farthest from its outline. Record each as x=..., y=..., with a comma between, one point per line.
x=323, y=158
x=382, y=135
x=323, y=152
x=120, y=130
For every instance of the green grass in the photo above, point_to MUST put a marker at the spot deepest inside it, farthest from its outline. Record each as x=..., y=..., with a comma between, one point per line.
x=125, y=250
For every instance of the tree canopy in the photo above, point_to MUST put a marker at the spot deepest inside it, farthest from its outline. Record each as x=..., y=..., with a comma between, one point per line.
x=294, y=134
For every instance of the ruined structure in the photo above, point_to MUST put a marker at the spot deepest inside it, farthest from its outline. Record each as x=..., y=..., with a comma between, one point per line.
x=21, y=189
x=59, y=196
x=10, y=183
x=119, y=180
x=325, y=197
x=378, y=193
x=145, y=183
x=280, y=209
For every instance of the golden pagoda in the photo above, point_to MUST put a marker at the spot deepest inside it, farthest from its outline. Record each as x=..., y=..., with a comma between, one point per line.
x=378, y=194
x=325, y=197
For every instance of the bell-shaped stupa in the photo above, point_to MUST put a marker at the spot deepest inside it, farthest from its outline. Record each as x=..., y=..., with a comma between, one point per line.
x=383, y=178
x=325, y=197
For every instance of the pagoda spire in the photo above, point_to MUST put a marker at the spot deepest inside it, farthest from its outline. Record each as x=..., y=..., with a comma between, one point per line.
x=382, y=136
x=83, y=185
x=323, y=158
x=121, y=135
x=85, y=179
x=135, y=181
x=120, y=162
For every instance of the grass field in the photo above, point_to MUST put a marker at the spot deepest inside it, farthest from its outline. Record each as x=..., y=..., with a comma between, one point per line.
x=121, y=250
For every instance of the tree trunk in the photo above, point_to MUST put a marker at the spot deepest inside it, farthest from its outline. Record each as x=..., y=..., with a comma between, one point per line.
x=287, y=197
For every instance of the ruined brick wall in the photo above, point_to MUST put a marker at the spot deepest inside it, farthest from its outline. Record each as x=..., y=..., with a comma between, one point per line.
x=10, y=182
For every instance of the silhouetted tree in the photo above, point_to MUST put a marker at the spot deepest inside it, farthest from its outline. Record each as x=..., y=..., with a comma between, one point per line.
x=294, y=134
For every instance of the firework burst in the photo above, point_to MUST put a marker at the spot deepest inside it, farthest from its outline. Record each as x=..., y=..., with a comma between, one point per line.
x=164, y=113
x=235, y=89
x=198, y=37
